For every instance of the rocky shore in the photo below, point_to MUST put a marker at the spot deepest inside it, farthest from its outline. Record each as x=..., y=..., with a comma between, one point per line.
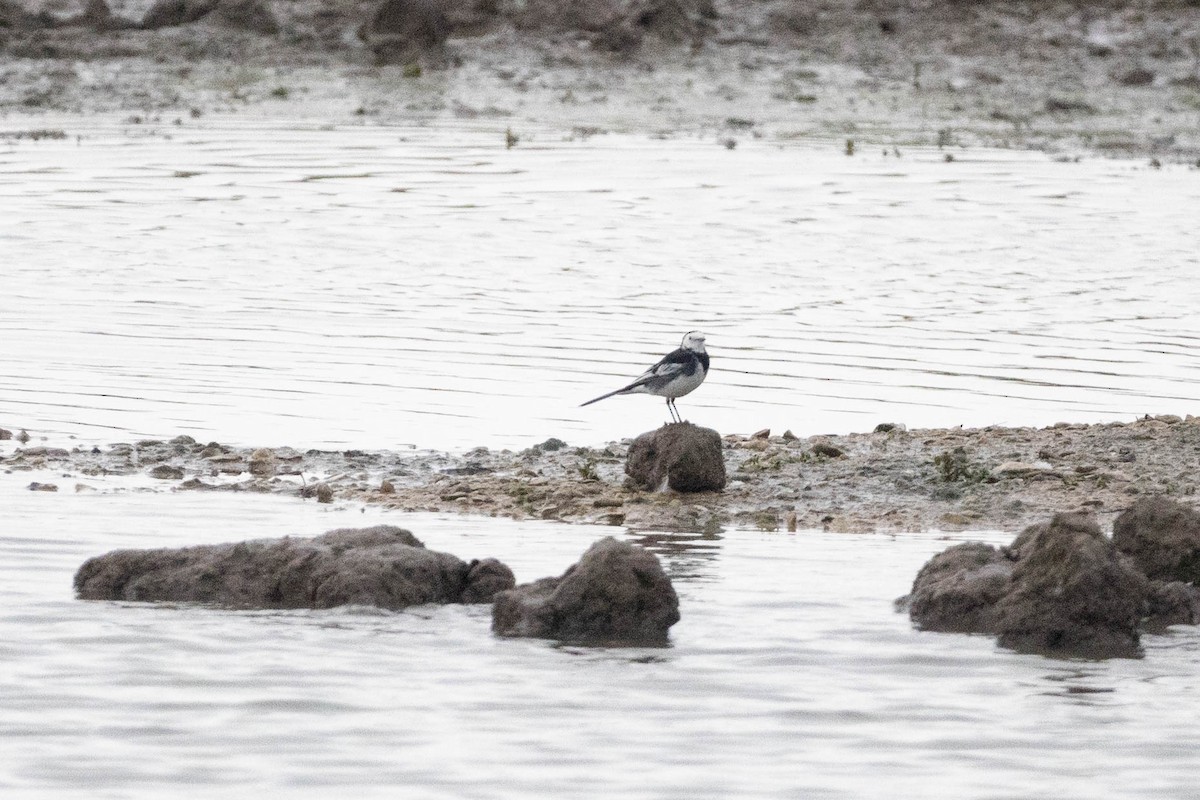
x=1119, y=78
x=891, y=479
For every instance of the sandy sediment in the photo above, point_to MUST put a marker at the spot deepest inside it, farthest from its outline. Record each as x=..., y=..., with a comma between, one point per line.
x=951, y=479
x=1118, y=78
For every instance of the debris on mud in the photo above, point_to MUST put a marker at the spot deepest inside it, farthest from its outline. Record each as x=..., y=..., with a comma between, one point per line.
x=887, y=480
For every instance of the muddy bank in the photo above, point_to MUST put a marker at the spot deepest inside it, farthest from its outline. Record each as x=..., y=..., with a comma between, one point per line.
x=1109, y=78
x=890, y=479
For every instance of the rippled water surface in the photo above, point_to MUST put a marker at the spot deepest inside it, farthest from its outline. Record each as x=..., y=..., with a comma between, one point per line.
x=789, y=676
x=270, y=283
x=262, y=283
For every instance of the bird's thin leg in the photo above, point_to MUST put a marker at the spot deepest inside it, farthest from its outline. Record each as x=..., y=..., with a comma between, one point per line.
x=670, y=410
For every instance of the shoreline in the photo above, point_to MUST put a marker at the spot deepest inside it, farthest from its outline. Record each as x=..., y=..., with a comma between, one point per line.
x=896, y=480
x=1116, y=81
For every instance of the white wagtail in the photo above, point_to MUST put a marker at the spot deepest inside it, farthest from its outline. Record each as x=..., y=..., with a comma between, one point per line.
x=679, y=372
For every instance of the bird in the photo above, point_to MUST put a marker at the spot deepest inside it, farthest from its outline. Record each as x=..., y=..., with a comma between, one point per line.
x=678, y=373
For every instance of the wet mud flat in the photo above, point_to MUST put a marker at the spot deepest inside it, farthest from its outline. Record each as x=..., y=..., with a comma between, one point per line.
x=890, y=479
x=1117, y=79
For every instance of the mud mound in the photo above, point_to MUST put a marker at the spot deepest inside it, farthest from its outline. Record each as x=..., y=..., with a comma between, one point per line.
x=382, y=566
x=616, y=594
x=1163, y=537
x=683, y=456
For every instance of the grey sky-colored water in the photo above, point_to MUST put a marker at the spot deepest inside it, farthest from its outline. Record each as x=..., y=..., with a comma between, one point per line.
x=380, y=287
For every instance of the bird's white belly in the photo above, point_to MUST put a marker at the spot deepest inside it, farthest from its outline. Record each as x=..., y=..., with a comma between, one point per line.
x=679, y=386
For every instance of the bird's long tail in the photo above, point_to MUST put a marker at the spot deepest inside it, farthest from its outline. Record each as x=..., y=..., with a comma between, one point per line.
x=622, y=390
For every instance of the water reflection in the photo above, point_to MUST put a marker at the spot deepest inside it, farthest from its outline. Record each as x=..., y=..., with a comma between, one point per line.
x=686, y=556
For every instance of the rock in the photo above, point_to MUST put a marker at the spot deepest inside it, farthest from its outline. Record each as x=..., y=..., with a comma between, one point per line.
x=1061, y=588
x=44, y=452
x=382, y=566
x=247, y=15
x=1020, y=469
x=165, y=472
x=169, y=13
x=404, y=31
x=5, y=434
x=262, y=462
x=43, y=487
x=1072, y=593
x=617, y=594
x=1172, y=603
x=683, y=456
x=765, y=433
x=13, y=16
x=827, y=450
x=1162, y=537
x=888, y=427
x=621, y=25
x=788, y=436
x=1136, y=76
x=23, y=436
x=957, y=590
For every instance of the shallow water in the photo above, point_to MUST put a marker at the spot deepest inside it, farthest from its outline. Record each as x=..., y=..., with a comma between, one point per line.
x=789, y=675
x=289, y=283
x=367, y=286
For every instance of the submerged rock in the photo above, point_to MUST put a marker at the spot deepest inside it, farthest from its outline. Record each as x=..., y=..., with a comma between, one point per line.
x=617, y=594
x=381, y=566
x=1162, y=537
x=403, y=31
x=683, y=456
x=1061, y=588
x=957, y=590
x=1072, y=593
x=255, y=16
x=169, y=13
x=1172, y=603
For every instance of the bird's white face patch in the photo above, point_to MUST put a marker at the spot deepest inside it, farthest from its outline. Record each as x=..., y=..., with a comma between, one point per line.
x=694, y=341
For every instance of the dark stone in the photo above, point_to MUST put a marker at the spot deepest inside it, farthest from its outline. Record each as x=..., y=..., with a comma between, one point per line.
x=381, y=566
x=5, y=434
x=1162, y=537
x=1072, y=593
x=1061, y=588
x=617, y=594
x=685, y=457
x=254, y=16
x=405, y=31
x=957, y=590
x=1137, y=76
x=1172, y=603
x=14, y=17
x=165, y=472
x=827, y=450
x=169, y=13
x=620, y=25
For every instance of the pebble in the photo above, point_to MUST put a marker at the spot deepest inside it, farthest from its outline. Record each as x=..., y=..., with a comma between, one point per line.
x=165, y=472
x=1016, y=469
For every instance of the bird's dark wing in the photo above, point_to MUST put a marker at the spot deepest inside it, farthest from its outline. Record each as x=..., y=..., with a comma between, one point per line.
x=676, y=362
